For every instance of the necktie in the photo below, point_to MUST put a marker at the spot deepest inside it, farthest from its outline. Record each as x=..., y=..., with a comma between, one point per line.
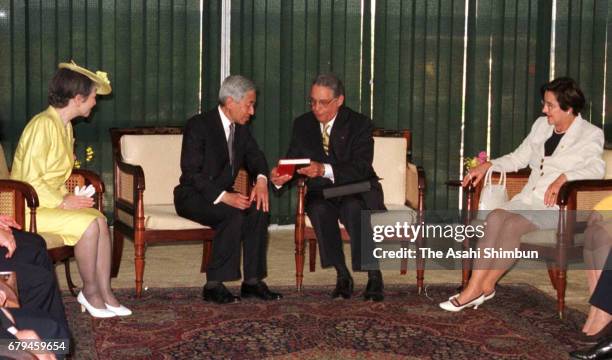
x=325, y=138
x=230, y=145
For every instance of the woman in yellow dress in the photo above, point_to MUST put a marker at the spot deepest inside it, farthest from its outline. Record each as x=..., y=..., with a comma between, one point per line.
x=44, y=158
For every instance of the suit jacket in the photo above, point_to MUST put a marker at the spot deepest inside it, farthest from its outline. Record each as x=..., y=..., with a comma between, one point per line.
x=578, y=156
x=205, y=163
x=351, y=152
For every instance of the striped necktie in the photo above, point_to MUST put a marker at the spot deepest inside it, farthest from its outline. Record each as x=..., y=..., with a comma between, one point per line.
x=325, y=138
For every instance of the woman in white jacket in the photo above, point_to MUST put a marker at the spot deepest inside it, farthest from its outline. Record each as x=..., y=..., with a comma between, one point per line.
x=560, y=147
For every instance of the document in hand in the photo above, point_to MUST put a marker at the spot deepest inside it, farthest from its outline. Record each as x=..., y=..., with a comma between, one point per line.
x=288, y=166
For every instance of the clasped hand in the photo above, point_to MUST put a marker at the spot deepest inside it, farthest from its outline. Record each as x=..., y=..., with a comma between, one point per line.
x=259, y=195
x=75, y=202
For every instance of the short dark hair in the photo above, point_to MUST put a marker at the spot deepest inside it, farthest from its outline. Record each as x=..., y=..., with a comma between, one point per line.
x=567, y=92
x=331, y=81
x=67, y=84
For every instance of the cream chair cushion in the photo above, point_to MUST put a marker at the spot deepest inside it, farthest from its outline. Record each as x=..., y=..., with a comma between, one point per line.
x=160, y=158
x=607, y=157
x=164, y=217
x=390, y=165
x=547, y=238
x=52, y=240
x=396, y=213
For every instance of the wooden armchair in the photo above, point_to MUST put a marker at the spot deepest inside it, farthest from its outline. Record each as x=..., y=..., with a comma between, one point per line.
x=559, y=246
x=144, y=211
x=16, y=195
x=403, y=186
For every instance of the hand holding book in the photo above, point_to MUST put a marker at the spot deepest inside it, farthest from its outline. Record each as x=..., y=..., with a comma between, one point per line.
x=285, y=170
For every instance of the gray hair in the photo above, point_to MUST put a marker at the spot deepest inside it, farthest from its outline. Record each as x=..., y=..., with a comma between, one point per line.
x=330, y=81
x=235, y=86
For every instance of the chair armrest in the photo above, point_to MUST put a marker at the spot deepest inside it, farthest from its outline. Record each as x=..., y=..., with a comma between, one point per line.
x=129, y=194
x=129, y=183
x=583, y=194
x=419, y=183
x=81, y=177
x=13, y=192
x=27, y=191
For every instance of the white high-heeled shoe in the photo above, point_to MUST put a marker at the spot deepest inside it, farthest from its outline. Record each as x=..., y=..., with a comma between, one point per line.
x=119, y=310
x=490, y=296
x=93, y=311
x=450, y=305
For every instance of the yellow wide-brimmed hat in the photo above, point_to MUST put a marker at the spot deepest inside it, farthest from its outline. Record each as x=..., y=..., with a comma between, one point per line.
x=100, y=78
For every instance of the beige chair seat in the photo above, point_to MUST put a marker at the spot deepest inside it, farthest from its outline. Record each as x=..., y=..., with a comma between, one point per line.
x=164, y=217
x=53, y=241
x=386, y=218
x=548, y=238
x=540, y=237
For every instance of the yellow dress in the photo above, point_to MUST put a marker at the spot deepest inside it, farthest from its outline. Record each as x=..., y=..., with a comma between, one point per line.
x=605, y=207
x=44, y=159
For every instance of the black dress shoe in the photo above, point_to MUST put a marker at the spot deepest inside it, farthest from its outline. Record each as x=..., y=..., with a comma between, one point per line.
x=259, y=290
x=601, y=350
x=374, y=289
x=344, y=288
x=219, y=294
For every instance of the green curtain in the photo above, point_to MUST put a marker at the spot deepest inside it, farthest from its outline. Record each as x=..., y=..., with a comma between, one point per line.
x=282, y=45
x=150, y=49
x=414, y=80
x=583, y=33
x=508, y=53
x=418, y=71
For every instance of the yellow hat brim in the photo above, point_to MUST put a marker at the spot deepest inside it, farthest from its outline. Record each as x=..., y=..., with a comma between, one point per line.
x=103, y=86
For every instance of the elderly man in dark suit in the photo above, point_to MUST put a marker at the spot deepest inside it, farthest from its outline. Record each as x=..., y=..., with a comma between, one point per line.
x=216, y=145
x=339, y=143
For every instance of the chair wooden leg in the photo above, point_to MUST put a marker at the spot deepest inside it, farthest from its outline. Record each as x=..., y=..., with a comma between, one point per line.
x=117, y=252
x=139, y=261
x=404, y=261
x=465, y=266
x=206, y=251
x=553, y=273
x=420, y=266
x=312, y=252
x=299, y=261
x=561, y=285
x=71, y=285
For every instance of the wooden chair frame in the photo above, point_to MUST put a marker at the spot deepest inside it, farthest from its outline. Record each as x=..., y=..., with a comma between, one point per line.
x=565, y=250
x=302, y=232
x=133, y=205
x=25, y=195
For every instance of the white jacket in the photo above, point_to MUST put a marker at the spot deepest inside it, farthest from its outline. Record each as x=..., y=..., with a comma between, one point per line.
x=578, y=156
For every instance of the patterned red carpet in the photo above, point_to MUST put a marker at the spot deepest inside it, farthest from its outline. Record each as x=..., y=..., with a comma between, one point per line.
x=519, y=323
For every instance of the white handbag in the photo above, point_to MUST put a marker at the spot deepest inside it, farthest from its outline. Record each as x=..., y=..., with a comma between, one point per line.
x=492, y=195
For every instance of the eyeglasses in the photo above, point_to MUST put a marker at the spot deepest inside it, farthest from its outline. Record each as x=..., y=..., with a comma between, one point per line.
x=323, y=103
x=548, y=104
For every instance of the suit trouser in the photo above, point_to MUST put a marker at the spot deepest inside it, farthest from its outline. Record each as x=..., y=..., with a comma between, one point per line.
x=602, y=296
x=231, y=226
x=324, y=215
x=36, y=281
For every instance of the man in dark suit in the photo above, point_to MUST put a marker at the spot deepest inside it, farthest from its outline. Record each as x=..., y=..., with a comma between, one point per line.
x=338, y=141
x=216, y=145
x=41, y=302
